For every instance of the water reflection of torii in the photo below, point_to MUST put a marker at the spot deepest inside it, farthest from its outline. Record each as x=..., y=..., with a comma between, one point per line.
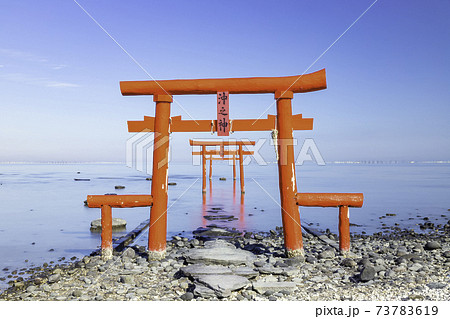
x=241, y=205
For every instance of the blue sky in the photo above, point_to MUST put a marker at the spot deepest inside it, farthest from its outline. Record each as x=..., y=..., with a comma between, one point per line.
x=388, y=75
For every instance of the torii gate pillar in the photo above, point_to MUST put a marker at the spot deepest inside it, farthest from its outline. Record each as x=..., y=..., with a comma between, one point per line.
x=158, y=217
x=286, y=174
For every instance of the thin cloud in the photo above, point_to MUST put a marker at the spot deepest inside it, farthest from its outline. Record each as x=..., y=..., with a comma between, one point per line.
x=62, y=85
x=21, y=55
x=36, y=81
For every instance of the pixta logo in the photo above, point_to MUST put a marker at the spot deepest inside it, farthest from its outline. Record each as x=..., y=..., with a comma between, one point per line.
x=139, y=151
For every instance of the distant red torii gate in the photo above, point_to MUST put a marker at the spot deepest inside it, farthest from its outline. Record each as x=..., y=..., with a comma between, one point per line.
x=284, y=122
x=224, y=154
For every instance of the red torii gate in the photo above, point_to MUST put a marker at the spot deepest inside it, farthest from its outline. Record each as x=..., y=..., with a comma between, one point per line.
x=233, y=155
x=285, y=122
x=162, y=124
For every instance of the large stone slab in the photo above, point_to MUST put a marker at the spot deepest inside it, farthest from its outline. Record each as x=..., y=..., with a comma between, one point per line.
x=223, y=285
x=246, y=272
x=201, y=269
x=263, y=286
x=220, y=253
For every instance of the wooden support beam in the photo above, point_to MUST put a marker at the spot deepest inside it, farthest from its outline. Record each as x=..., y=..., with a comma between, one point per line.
x=330, y=199
x=179, y=125
x=218, y=143
x=255, y=85
x=121, y=201
x=226, y=153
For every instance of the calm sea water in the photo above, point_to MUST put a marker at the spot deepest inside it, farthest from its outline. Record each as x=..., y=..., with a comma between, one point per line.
x=43, y=218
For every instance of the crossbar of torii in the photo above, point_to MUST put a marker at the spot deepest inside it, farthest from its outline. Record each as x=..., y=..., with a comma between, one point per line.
x=224, y=155
x=285, y=122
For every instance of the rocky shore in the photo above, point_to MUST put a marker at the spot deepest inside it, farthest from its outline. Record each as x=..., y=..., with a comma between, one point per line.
x=402, y=265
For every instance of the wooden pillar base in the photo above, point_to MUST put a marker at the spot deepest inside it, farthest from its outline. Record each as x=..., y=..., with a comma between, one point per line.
x=344, y=229
x=156, y=255
x=106, y=232
x=107, y=254
x=295, y=253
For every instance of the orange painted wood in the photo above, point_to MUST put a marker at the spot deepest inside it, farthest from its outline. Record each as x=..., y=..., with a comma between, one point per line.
x=301, y=124
x=210, y=166
x=344, y=229
x=106, y=245
x=218, y=143
x=234, y=167
x=241, y=169
x=255, y=85
x=203, y=169
x=290, y=216
x=253, y=124
x=330, y=199
x=158, y=213
x=225, y=153
x=121, y=201
x=179, y=125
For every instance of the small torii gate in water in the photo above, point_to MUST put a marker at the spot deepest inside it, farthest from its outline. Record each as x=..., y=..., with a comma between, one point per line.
x=224, y=155
x=284, y=122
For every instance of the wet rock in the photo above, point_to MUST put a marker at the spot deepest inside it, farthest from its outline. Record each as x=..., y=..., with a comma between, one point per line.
x=436, y=285
x=126, y=279
x=327, y=254
x=367, y=273
x=215, y=232
x=219, y=217
x=188, y=296
x=295, y=261
x=201, y=269
x=246, y=272
x=269, y=269
x=318, y=279
x=203, y=291
x=129, y=253
x=348, y=262
x=432, y=245
x=54, y=278
x=31, y=288
x=220, y=253
x=117, y=224
x=223, y=285
x=415, y=267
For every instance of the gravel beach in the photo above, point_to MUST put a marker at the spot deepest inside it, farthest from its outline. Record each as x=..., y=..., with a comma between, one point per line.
x=402, y=265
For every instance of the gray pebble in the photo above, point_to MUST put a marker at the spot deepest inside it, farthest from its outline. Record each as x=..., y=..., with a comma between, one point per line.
x=54, y=278
x=327, y=254
x=348, y=262
x=432, y=245
x=367, y=273
x=188, y=296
